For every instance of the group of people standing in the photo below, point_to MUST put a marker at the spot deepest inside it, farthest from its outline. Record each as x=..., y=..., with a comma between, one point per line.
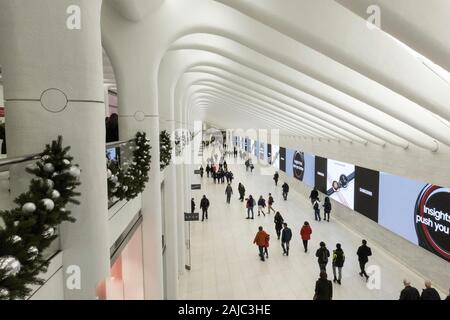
x=315, y=201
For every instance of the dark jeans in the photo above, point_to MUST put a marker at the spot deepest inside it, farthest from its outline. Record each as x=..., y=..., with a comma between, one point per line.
x=362, y=266
x=261, y=252
x=241, y=196
x=248, y=212
x=285, y=246
x=278, y=233
x=323, y=267
x=325, y=214
x=204, y=214
x=228, y=198
x=285, y=195
x=305, y=245
x=317, y=215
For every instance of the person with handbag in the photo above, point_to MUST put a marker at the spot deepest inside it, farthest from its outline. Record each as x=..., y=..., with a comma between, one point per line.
x=305, y=234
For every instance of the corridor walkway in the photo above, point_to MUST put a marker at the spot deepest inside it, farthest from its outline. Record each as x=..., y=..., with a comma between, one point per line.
x=225, y=262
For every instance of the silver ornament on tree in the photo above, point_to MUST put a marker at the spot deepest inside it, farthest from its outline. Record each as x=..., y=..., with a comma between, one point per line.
x=48, y=232
x=10, y=266
x=48, y=204
x=45, y=158
x=33, y=252
x=4, y=293
x=29, y=207
x=14, y=239
x=49, y=183
x=108, y=173
x=74, y=171
x=48, y=167
x=55, y=194
x=114, y=179
x=66, y=162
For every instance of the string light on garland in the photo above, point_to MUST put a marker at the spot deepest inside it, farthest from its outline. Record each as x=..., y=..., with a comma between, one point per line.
x=29, y=228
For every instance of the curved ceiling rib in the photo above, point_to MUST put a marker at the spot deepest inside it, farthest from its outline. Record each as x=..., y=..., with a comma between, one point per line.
x=327, y=93
x=370, y=52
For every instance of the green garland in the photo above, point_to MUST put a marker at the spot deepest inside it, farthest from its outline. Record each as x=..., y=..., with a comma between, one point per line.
x=128, y=183
x=165, y=149
x=30, y=228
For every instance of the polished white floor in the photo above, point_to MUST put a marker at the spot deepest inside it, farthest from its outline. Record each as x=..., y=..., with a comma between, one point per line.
x=225, y=262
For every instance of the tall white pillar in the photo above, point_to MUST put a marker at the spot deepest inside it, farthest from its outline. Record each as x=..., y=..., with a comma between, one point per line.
x=53, y=78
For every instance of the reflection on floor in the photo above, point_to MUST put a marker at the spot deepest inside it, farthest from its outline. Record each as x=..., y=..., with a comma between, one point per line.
x=225, y=262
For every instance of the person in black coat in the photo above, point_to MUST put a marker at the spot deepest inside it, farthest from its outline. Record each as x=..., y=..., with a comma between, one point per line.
x=241, y=190
x=204, y=205
x=338, y=263
x=201, y=171
x=364, y=252
x=192, y=205
x=278, y=220
x=285, y=188
x=322, y=255
x=326, y=209
x=286, y=236
x=409, y=292
x=208, y=170
x=429, y=293
x=324, y=288
x=276, y=176
x=314, y=195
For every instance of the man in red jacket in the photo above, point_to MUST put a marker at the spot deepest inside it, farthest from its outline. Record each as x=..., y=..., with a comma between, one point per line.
x=260, y=241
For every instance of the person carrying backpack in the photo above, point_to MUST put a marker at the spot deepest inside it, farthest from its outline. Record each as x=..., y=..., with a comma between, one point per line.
x=270, y=202
x=285, y=188
x=261, y=205
x=204, y=205
x=326, y=209
x=322, y=255
x=316, y=207
x=338, y=263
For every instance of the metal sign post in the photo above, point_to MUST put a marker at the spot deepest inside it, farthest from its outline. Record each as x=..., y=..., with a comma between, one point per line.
x=190, y=216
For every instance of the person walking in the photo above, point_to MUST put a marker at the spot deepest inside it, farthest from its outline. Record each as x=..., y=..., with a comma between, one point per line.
x=261, y=205
x=316, y=207
x=322, y=255
x=247, y=164
x=192, y=205
x=250, y=205
x=208, y=170
x=338, y=263
x=278, y=220
x=266, y=246
x=231, y=176
x=285, y=188
x=286, y=236
x=204, y=205
x=314, y=195
x=305, y=234
x=201, y=171
x=363, y=253
x=225, y=165
x=270, y=202
x=326, y=209
x=409, y=292
x=275, y=178
x=241, y=190
x=324, y=288
x=214, y=174
x=429, y=293
x=228, y=192
x=260, y=241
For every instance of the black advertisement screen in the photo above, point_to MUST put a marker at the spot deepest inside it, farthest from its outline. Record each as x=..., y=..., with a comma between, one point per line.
x=320, y=176
x=367, y=187
x=283, y=159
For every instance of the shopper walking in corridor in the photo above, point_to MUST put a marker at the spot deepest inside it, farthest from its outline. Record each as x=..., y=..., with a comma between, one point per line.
x=363, y=253
x=286, y=236
x=326, y=209
x=204, y=205
x=266, y=246
x=322, y=255
x=241, y=190
x=278, y=220
x=270, y=202
x=250, y=205
x=201, y=171
x=338, y=263
x=260, y=241
x=228, y=192
x=429, y=293
x=275, y=178
x=285, y=188
x=324, y=288
x=409, y=292
x=261, y=205
x=208, y=170
x=314, y=195
x=192, y=205
x=316, y=207
x=305, y=234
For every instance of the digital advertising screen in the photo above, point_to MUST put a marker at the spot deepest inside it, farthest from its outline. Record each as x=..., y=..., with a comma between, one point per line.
x=275, y=156
x=256, y=150
x=320, y=174
x=269, y=153
x=341, y=182
x=367, y=192
x=417, y=211
x=282, y=159
x=310, y=165
x=289, y=160
x=262, y=151
x=298, y=165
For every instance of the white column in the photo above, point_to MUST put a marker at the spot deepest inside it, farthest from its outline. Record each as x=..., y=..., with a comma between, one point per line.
x=53, y=78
